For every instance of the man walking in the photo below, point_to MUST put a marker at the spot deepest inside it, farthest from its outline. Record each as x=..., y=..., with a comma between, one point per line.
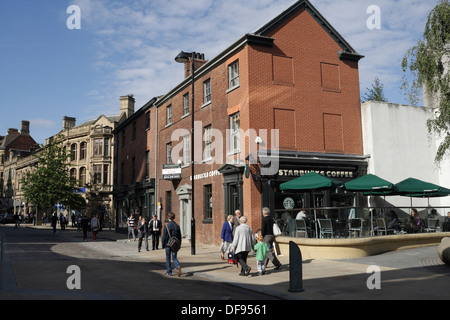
x=142, y=233
x=269, y=238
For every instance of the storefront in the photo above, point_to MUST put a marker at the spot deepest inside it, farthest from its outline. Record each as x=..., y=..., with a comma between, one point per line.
x=292, y=165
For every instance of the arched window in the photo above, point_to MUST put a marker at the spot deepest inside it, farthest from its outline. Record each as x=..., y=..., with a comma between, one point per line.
x=82, y=176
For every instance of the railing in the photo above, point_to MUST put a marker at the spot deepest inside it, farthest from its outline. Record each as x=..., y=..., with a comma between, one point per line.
x=340, y=218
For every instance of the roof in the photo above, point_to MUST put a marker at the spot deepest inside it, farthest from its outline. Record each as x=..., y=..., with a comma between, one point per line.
x=260, y=37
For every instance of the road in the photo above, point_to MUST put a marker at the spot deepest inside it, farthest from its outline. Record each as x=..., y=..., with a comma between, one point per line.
x=35, y=266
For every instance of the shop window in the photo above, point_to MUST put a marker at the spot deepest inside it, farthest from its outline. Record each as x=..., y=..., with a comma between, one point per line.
x=208, y=201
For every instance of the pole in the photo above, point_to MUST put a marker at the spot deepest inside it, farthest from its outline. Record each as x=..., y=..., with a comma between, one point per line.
x=192, y=163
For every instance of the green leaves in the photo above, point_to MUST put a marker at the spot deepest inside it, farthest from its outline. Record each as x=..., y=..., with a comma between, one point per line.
x=429, y=65
x=49, y=182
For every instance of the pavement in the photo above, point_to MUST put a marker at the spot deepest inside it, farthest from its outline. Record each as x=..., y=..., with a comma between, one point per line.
x=408, y=274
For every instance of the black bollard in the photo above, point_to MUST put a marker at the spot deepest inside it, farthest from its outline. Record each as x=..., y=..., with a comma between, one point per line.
x=295, y=268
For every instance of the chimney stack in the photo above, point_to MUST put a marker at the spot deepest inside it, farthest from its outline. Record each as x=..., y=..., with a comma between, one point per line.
x=127, y=105
x=199, y=60
x=68, y=123
x=25, y=128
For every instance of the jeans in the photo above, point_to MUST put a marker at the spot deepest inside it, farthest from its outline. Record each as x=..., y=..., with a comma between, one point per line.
x=131, y=231
x=168, y=263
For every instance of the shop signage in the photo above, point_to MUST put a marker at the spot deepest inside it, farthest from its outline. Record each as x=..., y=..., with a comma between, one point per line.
x=204, y=175
x=288, y=203
x=326, y=173
x=171, y=172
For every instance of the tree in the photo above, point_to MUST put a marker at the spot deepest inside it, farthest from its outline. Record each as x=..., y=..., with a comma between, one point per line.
x=428, y=63
x=375, y=93
x=49, y=183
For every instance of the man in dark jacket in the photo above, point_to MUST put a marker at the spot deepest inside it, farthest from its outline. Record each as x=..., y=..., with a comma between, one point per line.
x=269, y=238
x=171, y=230
x=155, y=230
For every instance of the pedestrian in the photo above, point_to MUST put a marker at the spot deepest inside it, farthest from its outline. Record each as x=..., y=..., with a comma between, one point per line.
x=226, y=236
x=242, y=244
x=269, y=238
x=130, y=223
x=171, y=230
x=155, y=229
x=142, y=233
x=237, y=216
x=54, y=222
x=84, y=224
x=95, y=226
x=261, y=249
x=73, y=219
x=16, y=221
x=62, y=222
x=44, y=219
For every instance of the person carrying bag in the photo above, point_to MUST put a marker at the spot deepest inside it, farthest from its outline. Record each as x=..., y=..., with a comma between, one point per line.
x=171, y=241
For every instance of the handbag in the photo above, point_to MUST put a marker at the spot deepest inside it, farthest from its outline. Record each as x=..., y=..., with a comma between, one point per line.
x=232, y=259
x=276, y=229
x=173, y=243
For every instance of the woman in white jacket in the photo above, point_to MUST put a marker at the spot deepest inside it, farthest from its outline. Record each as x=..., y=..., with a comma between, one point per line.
x=242, y=244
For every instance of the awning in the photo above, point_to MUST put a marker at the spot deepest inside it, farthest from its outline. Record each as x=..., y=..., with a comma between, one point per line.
x=311, y=181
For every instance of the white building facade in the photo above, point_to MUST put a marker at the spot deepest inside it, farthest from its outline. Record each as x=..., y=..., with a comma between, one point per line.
x=397, y=140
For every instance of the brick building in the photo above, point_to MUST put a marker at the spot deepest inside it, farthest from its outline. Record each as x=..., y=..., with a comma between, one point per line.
x=277, y=103
x=134, y=173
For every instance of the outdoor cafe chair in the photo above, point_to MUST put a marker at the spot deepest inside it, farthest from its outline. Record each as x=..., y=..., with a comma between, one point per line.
x=325, y=227
x=432, y=225
x=382, y=228
x=301, y=228
x=355, y=225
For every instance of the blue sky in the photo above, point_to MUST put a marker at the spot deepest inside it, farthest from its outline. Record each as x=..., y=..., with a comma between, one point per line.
x=128, y=47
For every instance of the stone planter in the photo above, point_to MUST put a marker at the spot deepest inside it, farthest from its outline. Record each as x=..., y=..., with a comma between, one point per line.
x=444, y=251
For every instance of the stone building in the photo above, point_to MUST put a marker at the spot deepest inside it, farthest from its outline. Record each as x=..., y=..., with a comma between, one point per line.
x=15, y=147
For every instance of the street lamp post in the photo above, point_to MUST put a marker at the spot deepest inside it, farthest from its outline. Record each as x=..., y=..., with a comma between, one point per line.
x=183, y=57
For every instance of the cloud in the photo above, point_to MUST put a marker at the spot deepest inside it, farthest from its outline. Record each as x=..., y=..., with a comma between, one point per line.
x=42, y=123
x=137, y=40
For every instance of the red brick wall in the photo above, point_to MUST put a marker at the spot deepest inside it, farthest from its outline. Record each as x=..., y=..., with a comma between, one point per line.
x=292, y=86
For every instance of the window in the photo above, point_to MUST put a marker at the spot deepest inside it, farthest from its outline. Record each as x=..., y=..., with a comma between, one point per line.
x=83, y=150
x=73, y=174
x=98, y=147
x=169, y=115
x=186, y=150
x=133, y=170
x=106, y=149
x=233, y=75
x=169, y=153
x=73, y=152
x=147, y=121
x=207, y=134
x=97, y=173
x=207, y=191
x=147, y=163
x=186, y=104
x=105, y=174
x=82, y=176
x=235, y=133
x=168, y=202
x=207, y=91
